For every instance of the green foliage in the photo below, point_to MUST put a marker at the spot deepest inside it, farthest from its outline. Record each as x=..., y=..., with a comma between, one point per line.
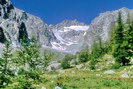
x=93, y=63
x=29, y=54
x=97, y=50
x=5, y=61
x=48, y=56
x=128, y=39
x=83, y=56
x=116, y=66
x=23, y=83
x=30, y=74
x=65, y=64
x=122, y=42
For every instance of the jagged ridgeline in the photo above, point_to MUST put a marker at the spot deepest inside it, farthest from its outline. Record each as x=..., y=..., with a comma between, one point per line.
x=16, y=24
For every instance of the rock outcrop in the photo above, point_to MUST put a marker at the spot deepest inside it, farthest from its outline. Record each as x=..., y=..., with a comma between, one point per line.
x=15, y=24
x=103, y=24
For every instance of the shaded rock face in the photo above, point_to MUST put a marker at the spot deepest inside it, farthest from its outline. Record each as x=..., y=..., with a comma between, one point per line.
x=23, y=35
x=2, y=36
x=5, y=9
x=2, y=2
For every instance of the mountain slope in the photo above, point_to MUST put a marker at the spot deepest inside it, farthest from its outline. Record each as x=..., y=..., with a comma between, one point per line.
x=69, y=34
x=14, y=23
x=103, y=24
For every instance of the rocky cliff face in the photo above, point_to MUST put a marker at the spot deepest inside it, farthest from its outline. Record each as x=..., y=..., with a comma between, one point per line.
x=69, y=34
x=74, y=36
x=15, y=23
x=102, y=25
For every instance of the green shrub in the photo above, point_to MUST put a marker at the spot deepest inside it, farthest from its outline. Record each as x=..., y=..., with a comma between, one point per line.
x=116, y=66
x=93, y=64
x=33, y=74
x=65, y=63
x=83, y=56
x=5, y=71
x=30, y=74
x=23, y=83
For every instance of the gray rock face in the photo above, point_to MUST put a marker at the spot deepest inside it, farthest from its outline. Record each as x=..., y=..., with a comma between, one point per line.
x=54, y=66
x=102, y=25
x=69, y=34
x=73, y=36
x=15, y=23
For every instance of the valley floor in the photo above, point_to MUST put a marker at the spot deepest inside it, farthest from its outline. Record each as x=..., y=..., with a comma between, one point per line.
x=83, y=79
x=80, y=77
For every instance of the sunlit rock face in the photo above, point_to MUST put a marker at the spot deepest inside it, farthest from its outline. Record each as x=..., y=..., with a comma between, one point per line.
x=70, y=35
x=102, y=25
x=15, y=23
x=74, y=36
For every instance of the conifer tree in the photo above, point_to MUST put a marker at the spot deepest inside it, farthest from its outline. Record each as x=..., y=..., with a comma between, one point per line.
x=119, y=52
x=29, y=54
x=6, y=59
x=128, y=39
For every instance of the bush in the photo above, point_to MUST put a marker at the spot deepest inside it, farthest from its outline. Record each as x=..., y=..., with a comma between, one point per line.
x=83, y=56
x=4, y=81
x=23, y=83
x=93, y=64
x=66, y=61
x=30, y=74
x=116, y=66
x=34, y=75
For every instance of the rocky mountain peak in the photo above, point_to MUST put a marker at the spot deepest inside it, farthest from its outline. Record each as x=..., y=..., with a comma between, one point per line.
x=14, y=23
x=2, y=2
x=102, y=25
x=67, y=23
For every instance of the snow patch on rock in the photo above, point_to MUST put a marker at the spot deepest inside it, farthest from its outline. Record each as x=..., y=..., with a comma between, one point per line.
x=78, y=28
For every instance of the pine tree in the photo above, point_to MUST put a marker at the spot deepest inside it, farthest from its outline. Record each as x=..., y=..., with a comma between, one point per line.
x=29, y=53
x=6, y=59
x=97, y=49
x=128, y=39
x=119, y=52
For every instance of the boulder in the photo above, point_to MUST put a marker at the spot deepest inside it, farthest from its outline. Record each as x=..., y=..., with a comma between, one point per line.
x=73, y=63
x=79, y=66
x=54, y=66
x=125, y=75
x=57, y=87
x=109, y=72
x=61, y=71
x=43, y=88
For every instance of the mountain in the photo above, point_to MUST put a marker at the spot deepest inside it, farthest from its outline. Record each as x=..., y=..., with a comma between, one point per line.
x=74, y=36
x=103, y=24
x=15, y=23
x=68, y=36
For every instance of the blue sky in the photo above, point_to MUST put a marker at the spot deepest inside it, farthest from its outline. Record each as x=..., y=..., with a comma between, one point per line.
x=54, y=11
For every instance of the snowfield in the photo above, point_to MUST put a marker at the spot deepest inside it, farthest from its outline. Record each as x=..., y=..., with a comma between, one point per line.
x=78, y=28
